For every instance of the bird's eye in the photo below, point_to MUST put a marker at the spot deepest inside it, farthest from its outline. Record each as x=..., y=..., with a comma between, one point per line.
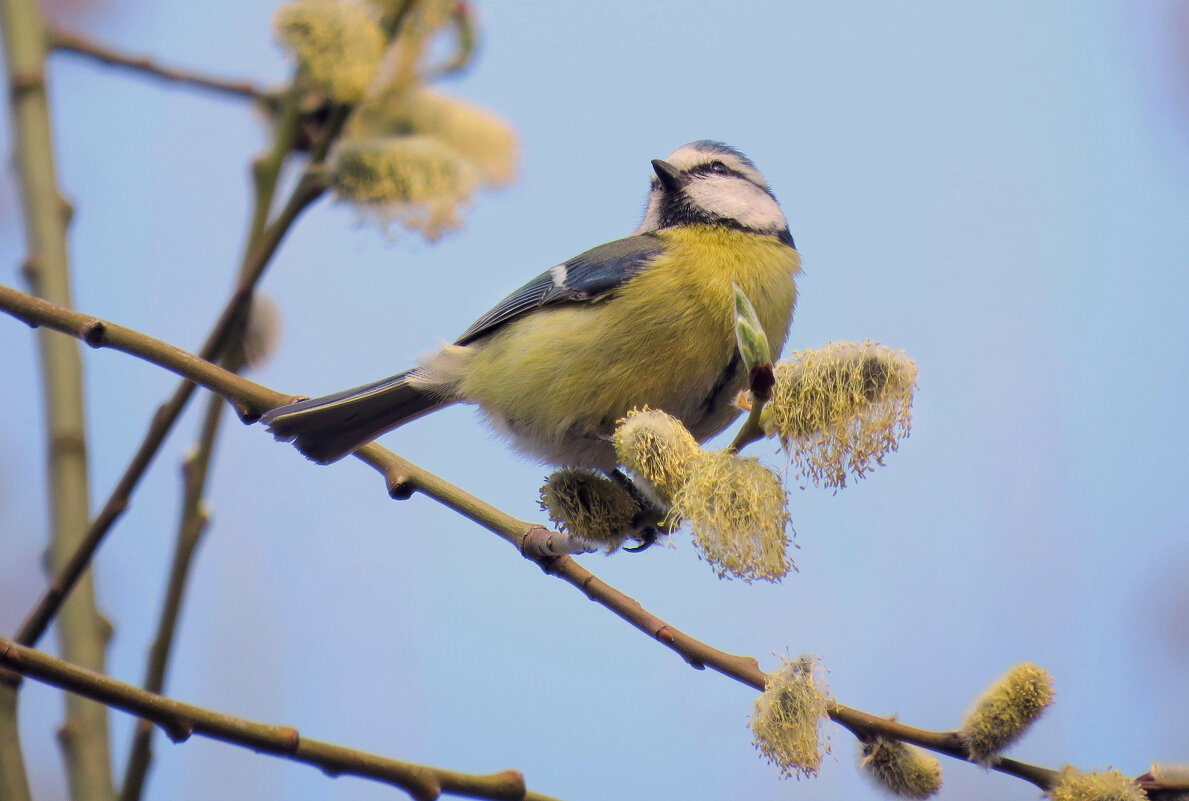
x=719, y=167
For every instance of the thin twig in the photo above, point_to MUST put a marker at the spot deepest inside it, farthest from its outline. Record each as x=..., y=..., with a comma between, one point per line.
x=751, y=430
x=194, y=519
x=403, y=478
x=180, y=721
x=14, y=783
x=266, y=173
x=83, y=633
x=65, y=42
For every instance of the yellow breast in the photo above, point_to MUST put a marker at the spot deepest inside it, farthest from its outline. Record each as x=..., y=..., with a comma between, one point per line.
x=663, y=340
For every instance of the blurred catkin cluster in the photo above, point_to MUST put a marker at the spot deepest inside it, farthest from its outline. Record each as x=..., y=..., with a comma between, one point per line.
x=1110, y=785
x=408, y=154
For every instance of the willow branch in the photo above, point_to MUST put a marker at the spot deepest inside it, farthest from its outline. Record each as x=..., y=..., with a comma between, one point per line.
x=180, y=721
x=194, y=520
x=83, y=633
x=62, y=41
x=266, y=174
x=14, y=783
x=403, y=478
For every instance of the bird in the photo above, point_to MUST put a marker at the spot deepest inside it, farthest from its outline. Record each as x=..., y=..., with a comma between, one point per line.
x=643, y=321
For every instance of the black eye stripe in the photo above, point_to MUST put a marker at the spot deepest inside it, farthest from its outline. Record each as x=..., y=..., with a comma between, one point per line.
x=714, y=168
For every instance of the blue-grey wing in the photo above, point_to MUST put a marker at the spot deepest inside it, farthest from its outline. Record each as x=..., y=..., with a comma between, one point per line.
x=590, y=276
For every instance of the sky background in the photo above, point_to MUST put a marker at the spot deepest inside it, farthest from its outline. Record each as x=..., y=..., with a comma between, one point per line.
x=999, y=189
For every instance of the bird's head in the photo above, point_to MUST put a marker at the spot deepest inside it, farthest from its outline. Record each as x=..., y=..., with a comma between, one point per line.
x=709, y=183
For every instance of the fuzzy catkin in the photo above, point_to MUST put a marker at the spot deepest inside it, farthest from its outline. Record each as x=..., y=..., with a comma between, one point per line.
x=901, y=769
x=657, y=449
x=415, y=180
x=736, y=509
x=338, y=45
x=1005, y=711
x=589, y=506
x=476, y=135
x=1110, y=785
x=788, y=716
x=839, y=410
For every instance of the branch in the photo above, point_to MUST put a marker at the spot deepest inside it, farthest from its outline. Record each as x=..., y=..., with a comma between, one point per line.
x=194, y=519
x=180, y=721
x=14, y=784
x=81, y=46
x=250, y=399
x=83, y=633
x=266, y=173
x=403, y=478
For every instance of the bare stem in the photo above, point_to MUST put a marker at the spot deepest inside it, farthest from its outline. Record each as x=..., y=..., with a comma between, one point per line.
x=65, y=42
x=751, y=431
x=194, y=519
x=14, y=784
x=180, y=721
x=266, y=174
x=83, y=633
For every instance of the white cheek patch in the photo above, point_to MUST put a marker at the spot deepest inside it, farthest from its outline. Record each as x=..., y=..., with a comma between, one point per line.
x=741, y=200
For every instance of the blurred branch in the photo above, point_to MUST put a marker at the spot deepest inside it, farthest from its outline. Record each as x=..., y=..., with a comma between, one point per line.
x=403, y=478
x=78, y=45
x=83, y=633
x=180, y=721
x=263, y=241
x=266, y=173
x=307, y=191
x=14, y=784
x=194, y=519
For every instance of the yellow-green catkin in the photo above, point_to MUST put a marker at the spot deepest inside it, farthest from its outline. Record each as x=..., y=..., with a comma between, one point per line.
x=788, y=716
x=1110, y=785
x=737, y=511
x=901, y=769
x=589, y=506
x=476, y=135
x=1005, y=711
x=414, y=180
x=657, y=450
x=338, y=44
x=839, y=410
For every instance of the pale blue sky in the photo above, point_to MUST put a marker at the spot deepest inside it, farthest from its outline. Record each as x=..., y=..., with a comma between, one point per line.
x=1000, y=189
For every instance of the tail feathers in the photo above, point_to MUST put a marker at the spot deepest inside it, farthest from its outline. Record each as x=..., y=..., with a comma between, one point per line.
x=328, y=428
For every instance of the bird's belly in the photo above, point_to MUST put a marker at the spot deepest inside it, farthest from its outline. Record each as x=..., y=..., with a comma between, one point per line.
x=556, y=384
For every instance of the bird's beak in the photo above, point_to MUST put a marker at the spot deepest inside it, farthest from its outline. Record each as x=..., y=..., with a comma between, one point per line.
x=670, y=176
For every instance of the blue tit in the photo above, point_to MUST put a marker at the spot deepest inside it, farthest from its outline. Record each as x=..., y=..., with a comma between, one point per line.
x=643, y=321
